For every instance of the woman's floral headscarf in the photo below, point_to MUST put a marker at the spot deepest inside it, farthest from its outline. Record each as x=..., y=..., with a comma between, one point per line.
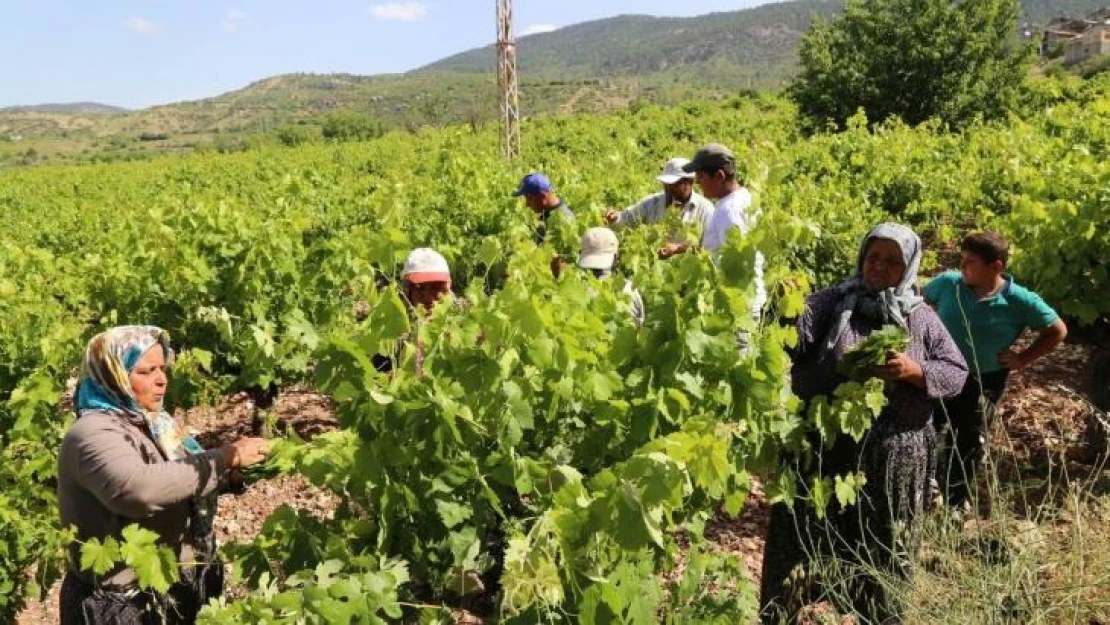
x=105, y=385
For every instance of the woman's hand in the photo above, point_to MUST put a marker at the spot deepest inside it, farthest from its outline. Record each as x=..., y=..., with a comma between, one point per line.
x=245, y=451
x=900, y=367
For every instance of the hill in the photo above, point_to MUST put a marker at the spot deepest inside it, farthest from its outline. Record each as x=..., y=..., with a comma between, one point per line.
x=589, y=67
x=1043, y=11
x=754, y=47
x=74, y=108
x=758, y=45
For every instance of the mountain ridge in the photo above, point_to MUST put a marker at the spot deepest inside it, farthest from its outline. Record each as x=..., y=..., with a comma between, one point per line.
x=592, y=66
x=67, y=108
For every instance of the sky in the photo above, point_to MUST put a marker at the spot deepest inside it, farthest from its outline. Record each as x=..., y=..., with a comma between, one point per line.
x=137, y=53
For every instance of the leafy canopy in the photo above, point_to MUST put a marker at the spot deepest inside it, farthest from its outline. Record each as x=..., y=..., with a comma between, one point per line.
x=913, y=59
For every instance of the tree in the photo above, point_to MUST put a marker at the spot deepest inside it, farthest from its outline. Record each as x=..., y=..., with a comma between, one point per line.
x=915, y=59
x=293, y=135
x=351, y=126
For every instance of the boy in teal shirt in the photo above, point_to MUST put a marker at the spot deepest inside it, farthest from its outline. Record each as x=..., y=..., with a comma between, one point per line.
x=985, y=311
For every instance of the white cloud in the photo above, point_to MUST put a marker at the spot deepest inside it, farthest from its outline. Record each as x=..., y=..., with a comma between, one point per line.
x=536, y=29
x=142, y=26
x=234, y=20
x=400, y=11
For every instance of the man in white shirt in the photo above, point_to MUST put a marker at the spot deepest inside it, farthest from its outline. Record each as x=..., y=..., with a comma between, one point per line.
x=714, y=169
x=678, y=192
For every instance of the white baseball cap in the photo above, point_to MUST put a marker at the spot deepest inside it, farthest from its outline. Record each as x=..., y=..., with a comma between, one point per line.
x=672, y=171
x=426, y=265
x=599, y=249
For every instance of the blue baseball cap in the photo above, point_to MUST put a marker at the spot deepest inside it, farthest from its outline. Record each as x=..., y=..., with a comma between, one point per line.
x=534, y=182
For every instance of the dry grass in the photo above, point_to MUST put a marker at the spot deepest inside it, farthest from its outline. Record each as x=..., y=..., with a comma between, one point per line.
x=1038, y=548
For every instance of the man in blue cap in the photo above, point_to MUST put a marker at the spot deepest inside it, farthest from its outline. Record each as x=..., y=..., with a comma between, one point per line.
x=540, y=196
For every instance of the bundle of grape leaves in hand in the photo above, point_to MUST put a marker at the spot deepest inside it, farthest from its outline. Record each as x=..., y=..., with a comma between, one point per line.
x=873, y=351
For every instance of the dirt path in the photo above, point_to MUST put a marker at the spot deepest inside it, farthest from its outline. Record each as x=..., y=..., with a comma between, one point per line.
x=568, y=107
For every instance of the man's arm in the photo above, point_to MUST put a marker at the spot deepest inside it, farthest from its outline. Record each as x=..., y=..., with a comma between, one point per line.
x=631, y=216
x=673, y=249
x=1048, y=338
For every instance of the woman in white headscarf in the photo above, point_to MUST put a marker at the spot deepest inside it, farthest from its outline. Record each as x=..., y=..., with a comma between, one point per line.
x=897, y=455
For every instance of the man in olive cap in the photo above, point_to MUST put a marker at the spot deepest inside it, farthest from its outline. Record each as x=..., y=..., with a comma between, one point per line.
x=714, y=169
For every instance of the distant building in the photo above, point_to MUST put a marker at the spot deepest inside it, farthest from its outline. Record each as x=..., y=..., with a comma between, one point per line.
x=1093, y=42
x=1100, y=15
x=1060, y=31
x=1079, y=38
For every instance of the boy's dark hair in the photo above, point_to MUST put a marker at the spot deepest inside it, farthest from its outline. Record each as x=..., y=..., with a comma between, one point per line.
x=730, y=172
x=989, y=246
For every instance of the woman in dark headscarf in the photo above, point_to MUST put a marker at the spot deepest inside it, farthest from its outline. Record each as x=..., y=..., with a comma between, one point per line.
x=897, y=455
x=125, y=461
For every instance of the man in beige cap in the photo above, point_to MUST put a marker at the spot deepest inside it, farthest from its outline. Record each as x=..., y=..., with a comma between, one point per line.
x=599, y=252
x=678, y=192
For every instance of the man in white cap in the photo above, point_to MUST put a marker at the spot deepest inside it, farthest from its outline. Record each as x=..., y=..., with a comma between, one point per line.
x=678, y=192
x=425, y=281
x=426, y=278
x=599, y=252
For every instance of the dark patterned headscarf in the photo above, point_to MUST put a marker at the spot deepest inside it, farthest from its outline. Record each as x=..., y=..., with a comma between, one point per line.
x=889, y=306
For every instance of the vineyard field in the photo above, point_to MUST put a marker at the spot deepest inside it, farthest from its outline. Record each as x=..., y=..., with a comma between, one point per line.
x=543, y=452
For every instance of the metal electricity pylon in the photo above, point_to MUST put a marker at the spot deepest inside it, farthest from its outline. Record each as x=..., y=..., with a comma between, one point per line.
x=508, y=94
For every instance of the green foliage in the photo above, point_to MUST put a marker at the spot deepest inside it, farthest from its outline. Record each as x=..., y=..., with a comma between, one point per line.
x=873, y=350
x=710, y=590
x=1094, y=66
x=352, y=590
x=350, y=126
x=584, y=440
x=541, y=446
x=155, y=566
x=29, y=536
x=292, y=135
x=851, y=410
x=913, y=59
